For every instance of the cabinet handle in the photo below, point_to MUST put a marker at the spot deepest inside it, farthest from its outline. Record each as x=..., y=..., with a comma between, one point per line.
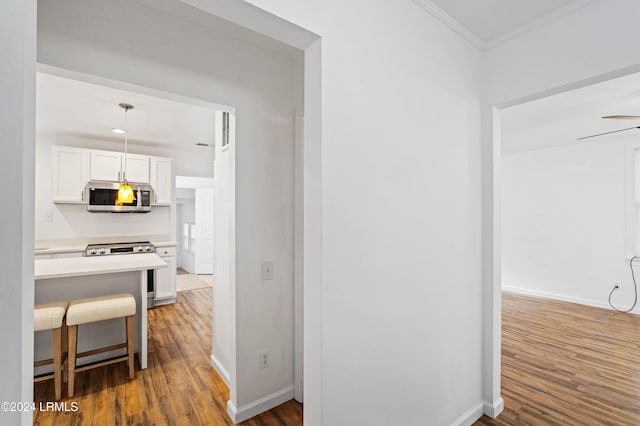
x=119, y=177
x=82, y=195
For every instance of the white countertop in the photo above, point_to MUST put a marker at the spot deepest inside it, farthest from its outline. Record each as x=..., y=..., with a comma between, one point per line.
x=79, y=245
x=167, y=243
x=95, y=265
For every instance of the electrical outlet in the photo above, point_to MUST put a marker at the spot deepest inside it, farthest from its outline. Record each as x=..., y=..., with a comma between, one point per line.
x=267, y=270
x=265, y=359
x=617, y=285
x=48, y=217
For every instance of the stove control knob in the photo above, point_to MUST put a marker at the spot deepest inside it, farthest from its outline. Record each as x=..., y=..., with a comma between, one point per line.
x=92, y=251
x=103, y=251
x=147, y=248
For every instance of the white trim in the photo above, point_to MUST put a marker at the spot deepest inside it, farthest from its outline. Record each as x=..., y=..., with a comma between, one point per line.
x=562, y=298
x=631, y=208
x=456, y=26
x=540, y=22
x=476, y=41
x=258, y=406
x=493, y=409
x=224, y=374
x=470, y=416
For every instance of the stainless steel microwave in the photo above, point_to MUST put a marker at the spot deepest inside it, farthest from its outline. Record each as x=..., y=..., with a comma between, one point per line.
x=101, y=197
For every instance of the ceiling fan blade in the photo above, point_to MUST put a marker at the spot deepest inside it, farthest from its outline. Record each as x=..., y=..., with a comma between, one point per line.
x=608, y=133
x=623, y=117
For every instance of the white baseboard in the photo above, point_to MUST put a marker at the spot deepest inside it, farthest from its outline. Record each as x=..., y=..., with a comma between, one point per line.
x=563, y=298
x=470, y=416
x=493, y=409
x=224, y=374
x=259, y=406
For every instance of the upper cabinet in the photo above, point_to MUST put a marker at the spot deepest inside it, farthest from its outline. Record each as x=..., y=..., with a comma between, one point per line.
x=105, y=165
x=161, y=180
x=73, y=167
x=110, y=166
x=137, y=168
x=70, y=173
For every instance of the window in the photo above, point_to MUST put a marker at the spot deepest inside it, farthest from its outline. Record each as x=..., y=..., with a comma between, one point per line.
x=225, y=129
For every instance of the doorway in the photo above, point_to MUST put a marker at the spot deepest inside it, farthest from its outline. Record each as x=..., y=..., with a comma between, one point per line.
x=188, y=82
x=563, y=176
x=194, y=232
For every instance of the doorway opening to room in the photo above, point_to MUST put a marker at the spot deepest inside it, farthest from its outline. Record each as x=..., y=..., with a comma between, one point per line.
x=194, y=232
x=80, y=147
x=186, y=55
x=569, y=223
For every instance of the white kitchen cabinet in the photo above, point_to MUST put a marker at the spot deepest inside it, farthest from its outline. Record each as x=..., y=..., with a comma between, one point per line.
x=109, y=166
x=105, y=165
x=161, y=180
x=137, y=168
x=165, y=279
x=70, y=173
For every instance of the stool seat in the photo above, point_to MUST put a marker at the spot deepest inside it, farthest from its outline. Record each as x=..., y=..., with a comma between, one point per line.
x=47, y=316
x=50, y=316
x=92, y=309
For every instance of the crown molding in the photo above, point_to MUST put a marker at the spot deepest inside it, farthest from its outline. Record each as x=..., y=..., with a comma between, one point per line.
x=462, y=31
x=540, y=22
x=446, y=19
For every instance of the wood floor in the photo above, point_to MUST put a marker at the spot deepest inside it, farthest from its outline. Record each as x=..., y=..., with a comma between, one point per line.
x=179, y=387
x=568, y=364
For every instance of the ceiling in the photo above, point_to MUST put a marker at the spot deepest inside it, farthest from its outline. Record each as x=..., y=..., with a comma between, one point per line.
x=66, y=107
x=560, y=119
x=487, y=23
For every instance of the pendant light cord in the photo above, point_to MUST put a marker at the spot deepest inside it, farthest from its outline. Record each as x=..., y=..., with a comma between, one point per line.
x=126, y=139
x=635, y=289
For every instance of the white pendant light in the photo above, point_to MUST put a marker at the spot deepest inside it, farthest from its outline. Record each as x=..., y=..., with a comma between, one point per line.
x=125, y=192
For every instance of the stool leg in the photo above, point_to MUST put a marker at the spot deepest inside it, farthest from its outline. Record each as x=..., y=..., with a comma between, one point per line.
x=65, y=351
x=71, y=356
x=57, y=361
x=129, y=321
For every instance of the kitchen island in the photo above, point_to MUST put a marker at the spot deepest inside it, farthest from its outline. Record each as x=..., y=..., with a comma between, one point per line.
x=72, y=278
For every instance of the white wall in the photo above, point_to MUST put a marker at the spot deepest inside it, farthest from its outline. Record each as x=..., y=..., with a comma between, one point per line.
x=565, y=52
x=17, y=121
x=564, y=232
x=400, y=212
x=223, y=291
x=169, y=54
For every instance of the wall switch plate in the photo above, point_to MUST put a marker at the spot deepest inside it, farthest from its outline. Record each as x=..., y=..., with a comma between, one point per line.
x=264, y=360
x=267, y=270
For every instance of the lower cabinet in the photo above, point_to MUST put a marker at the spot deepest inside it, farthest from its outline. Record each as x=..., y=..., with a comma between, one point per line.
x=165, y=282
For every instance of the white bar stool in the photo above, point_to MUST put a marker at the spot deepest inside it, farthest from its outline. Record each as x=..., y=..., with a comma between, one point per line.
x=93, y=309
x=50, y=316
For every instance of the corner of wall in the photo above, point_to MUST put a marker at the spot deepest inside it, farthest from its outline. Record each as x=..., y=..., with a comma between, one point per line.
x=493, y=409
x=244, y=412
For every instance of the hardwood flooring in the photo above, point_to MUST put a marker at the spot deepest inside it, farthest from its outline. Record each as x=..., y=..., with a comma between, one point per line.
x=568, y=364
x=179, y=387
